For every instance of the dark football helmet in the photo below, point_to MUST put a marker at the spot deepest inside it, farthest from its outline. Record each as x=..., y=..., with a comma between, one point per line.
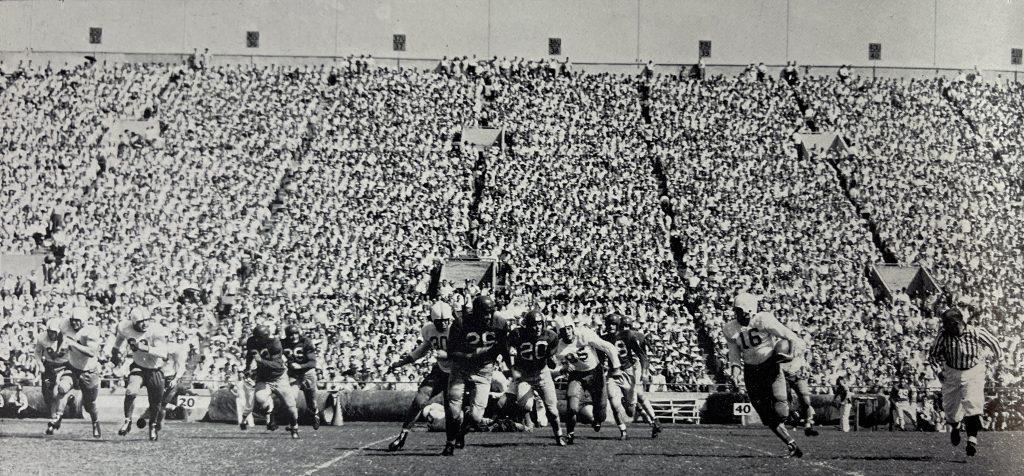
x=534, y=323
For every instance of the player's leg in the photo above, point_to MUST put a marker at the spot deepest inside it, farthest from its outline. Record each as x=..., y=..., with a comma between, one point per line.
x=572, y=396
x=153, y=380
x=283, y=388
x=525, y=400
x=131, y=391
x=308, y=388
x=263, y=402
x=453, y=409
x=615, y=397
x=545, y=387
x=481, y=390
x=952, y=396
x=973, y=405
x=89, y=385
x=597, y=388
x=803, y=394
x=647, y=411
x=244, y=403
x=62, y=383
x=169, y=397
x=431, y=385
x=766, y=387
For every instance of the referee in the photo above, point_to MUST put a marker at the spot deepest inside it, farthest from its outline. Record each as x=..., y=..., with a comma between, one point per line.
x=958, y=348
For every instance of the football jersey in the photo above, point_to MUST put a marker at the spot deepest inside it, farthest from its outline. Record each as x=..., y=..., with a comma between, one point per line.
x=302, y=352
x=580, y=354
x=755, y=342
x=154, y=335
x=632, y=346
x=51, y=352
x=488, y=337
x=437, y=341
x=271, y=367
x=88, y=335
x=177, y=358
x=532, y=351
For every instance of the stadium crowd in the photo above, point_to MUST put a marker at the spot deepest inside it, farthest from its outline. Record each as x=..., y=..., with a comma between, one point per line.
x=327, y=197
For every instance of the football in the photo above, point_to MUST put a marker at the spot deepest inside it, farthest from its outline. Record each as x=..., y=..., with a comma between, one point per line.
x=783, y=350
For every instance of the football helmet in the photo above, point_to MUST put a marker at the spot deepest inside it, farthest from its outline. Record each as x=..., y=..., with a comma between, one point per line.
x=744, y=306
x=441, y=315
x=534, y=323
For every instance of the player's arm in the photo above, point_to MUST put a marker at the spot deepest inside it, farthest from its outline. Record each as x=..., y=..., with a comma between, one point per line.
x=990, y=341
x=457, y=342
x=157, y=346
x=774, y=327
x=309, y=350
x=935, y=353
x=414, y=355
x=609, y=350
x=735, y=362
x=250, y=356
x=87, y=344
x=41, y=353
x=115, y=351
x=638, y=343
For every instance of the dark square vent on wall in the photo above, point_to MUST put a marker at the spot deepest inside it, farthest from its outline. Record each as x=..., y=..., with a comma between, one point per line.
x=398, y=43
x=875, y=51
x=252, y=39
x=95, y=36
x=704, y=49
x=1016, y=55
x=555, y=46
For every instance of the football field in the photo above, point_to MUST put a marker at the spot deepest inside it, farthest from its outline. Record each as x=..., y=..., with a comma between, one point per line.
x=361, y=448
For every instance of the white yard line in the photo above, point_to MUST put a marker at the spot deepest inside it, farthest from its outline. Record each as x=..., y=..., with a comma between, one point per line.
x=344, y=455
x=819, y=464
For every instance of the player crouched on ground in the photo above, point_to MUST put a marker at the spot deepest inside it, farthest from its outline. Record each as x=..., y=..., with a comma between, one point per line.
x=751, y=336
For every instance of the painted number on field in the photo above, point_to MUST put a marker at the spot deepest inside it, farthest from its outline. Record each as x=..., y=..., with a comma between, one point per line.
x=742, y=409
x=187, y=401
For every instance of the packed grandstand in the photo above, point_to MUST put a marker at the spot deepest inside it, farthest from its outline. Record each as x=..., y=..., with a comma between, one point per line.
x=328, y=196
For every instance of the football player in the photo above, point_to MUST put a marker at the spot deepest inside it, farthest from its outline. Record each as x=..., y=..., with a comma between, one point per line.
x=475, y=341
x=174, y=367
x=148, y=344
x=270, y=378
x=301, y=355
x=796, y=372
x=577, y=355
x=53, y=355
x=435, y=337
x=751, y=337
x=83, y=341
x=632, y=347
x=534, y=346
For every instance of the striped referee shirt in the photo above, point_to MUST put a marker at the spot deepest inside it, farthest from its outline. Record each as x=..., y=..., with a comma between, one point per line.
x=964, y=351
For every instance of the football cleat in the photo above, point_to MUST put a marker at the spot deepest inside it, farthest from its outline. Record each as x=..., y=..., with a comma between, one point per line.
x=794, y=451
x=449, y=449
x=622, y=435
x=125, y=428
x=316, y=422
x=294, y=431
x=561, y=440
x=972, y=448
x=954, y=436
x=655, y=430
x=244, y=425
x=56, y=424
x=597, y=427
x=159, y=425
x=50, y=428
x=95, y=429
x=810, y=432
x=399, y=442
x=570, y=438
x=271, y=424
x=154, y=434
x=141, y=423
x=460, y=441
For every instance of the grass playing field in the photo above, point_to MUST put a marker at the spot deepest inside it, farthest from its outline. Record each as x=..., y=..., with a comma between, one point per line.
x=360, y=448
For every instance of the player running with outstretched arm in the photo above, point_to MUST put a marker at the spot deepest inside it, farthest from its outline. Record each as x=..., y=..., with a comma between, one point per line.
x=148, y=344
x=300, y=353
x=534, y=346
x=435, y=337
x=751, y=336
x=632, y=347
x=960, y=349
x=577, y=354
x=174, y=367
x=266, y=352
x=475, y=342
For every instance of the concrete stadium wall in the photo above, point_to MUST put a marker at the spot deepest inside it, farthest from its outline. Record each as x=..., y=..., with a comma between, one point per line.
x=915, y=33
